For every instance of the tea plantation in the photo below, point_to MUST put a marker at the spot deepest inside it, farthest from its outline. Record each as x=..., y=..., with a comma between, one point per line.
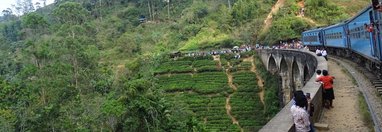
x=201, y=85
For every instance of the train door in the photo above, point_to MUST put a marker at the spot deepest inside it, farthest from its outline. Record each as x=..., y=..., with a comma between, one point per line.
x=321, y=38
x=373, y=36
x=378, y=25
x=348, y=42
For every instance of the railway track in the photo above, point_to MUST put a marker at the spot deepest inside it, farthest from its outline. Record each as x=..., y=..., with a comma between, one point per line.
x=369, y=85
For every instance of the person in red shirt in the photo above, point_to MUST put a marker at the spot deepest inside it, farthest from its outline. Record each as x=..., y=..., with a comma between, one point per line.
x=370, y=28
x=327, y=85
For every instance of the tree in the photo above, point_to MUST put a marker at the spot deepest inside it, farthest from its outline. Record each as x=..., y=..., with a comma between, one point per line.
x=24, y=6
x=71, y=13
x=43, y=3
x=8, y=14
x=34, y=24
x=38, y=5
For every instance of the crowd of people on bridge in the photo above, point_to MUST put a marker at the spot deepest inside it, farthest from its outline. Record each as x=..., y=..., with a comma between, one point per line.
x=236, y=50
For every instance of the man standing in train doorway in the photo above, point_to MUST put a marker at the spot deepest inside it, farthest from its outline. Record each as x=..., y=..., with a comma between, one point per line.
x=374, y=32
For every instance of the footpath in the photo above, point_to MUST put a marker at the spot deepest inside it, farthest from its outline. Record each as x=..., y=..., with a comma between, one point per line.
x=345, y=116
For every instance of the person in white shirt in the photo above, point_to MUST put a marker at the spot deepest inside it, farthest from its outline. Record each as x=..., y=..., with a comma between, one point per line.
x=324, y=54
x=300, y=114
x=318, y=52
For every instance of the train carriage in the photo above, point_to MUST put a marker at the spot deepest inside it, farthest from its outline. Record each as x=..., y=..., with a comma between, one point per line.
x=335, y=39
x=313, y=38
x=358, y=38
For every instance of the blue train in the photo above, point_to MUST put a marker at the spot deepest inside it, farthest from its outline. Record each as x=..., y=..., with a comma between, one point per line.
x=358, y=38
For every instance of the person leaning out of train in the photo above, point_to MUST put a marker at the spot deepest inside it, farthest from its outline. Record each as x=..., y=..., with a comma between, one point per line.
x=379, y=7
x=366, y=27
x=370, y=28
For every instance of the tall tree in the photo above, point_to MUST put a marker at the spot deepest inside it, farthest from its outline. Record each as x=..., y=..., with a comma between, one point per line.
x=33, y=24
x=72, y=15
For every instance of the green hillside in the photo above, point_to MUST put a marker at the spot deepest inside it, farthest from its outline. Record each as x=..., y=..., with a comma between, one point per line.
x=105, y=65
x=210, y=89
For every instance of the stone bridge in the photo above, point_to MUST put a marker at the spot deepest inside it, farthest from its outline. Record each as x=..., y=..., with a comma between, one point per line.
x=296, y=69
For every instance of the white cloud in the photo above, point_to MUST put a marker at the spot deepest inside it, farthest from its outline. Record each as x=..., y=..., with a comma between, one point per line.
x=4, y=4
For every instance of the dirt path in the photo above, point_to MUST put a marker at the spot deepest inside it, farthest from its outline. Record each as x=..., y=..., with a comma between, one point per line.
x=230, y=80
x=345, y=116
x=227, y=104
x=301, y=5
x=260, y=81
x=268, y=20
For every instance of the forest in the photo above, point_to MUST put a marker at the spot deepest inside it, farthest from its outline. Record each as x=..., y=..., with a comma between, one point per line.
x=97, y=65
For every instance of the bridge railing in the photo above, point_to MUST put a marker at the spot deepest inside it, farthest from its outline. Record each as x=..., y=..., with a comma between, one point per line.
x=283, y=122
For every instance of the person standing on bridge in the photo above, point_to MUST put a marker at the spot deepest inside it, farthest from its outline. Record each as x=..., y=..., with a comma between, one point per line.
x=318, y=52
x=324, y=54
x=328, y=92
x=299, y=113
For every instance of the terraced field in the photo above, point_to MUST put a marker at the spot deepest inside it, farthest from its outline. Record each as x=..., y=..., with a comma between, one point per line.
x=223, y=94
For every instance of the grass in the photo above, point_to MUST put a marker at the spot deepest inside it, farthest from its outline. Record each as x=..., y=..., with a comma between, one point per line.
x=365, y=113
x=354, y=82
x=352, y=7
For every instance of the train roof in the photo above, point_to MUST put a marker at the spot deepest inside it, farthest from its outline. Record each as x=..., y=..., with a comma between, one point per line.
x=359, y=13
x=335, y=25
x=313, y=30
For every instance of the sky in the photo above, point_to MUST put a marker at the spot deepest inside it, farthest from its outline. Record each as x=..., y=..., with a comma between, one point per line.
x=4, y=4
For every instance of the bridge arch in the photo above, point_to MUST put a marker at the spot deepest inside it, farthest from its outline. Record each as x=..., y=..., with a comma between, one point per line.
x=306, y=74
x=285, y=83
x=296, y=77
x=272, y=66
